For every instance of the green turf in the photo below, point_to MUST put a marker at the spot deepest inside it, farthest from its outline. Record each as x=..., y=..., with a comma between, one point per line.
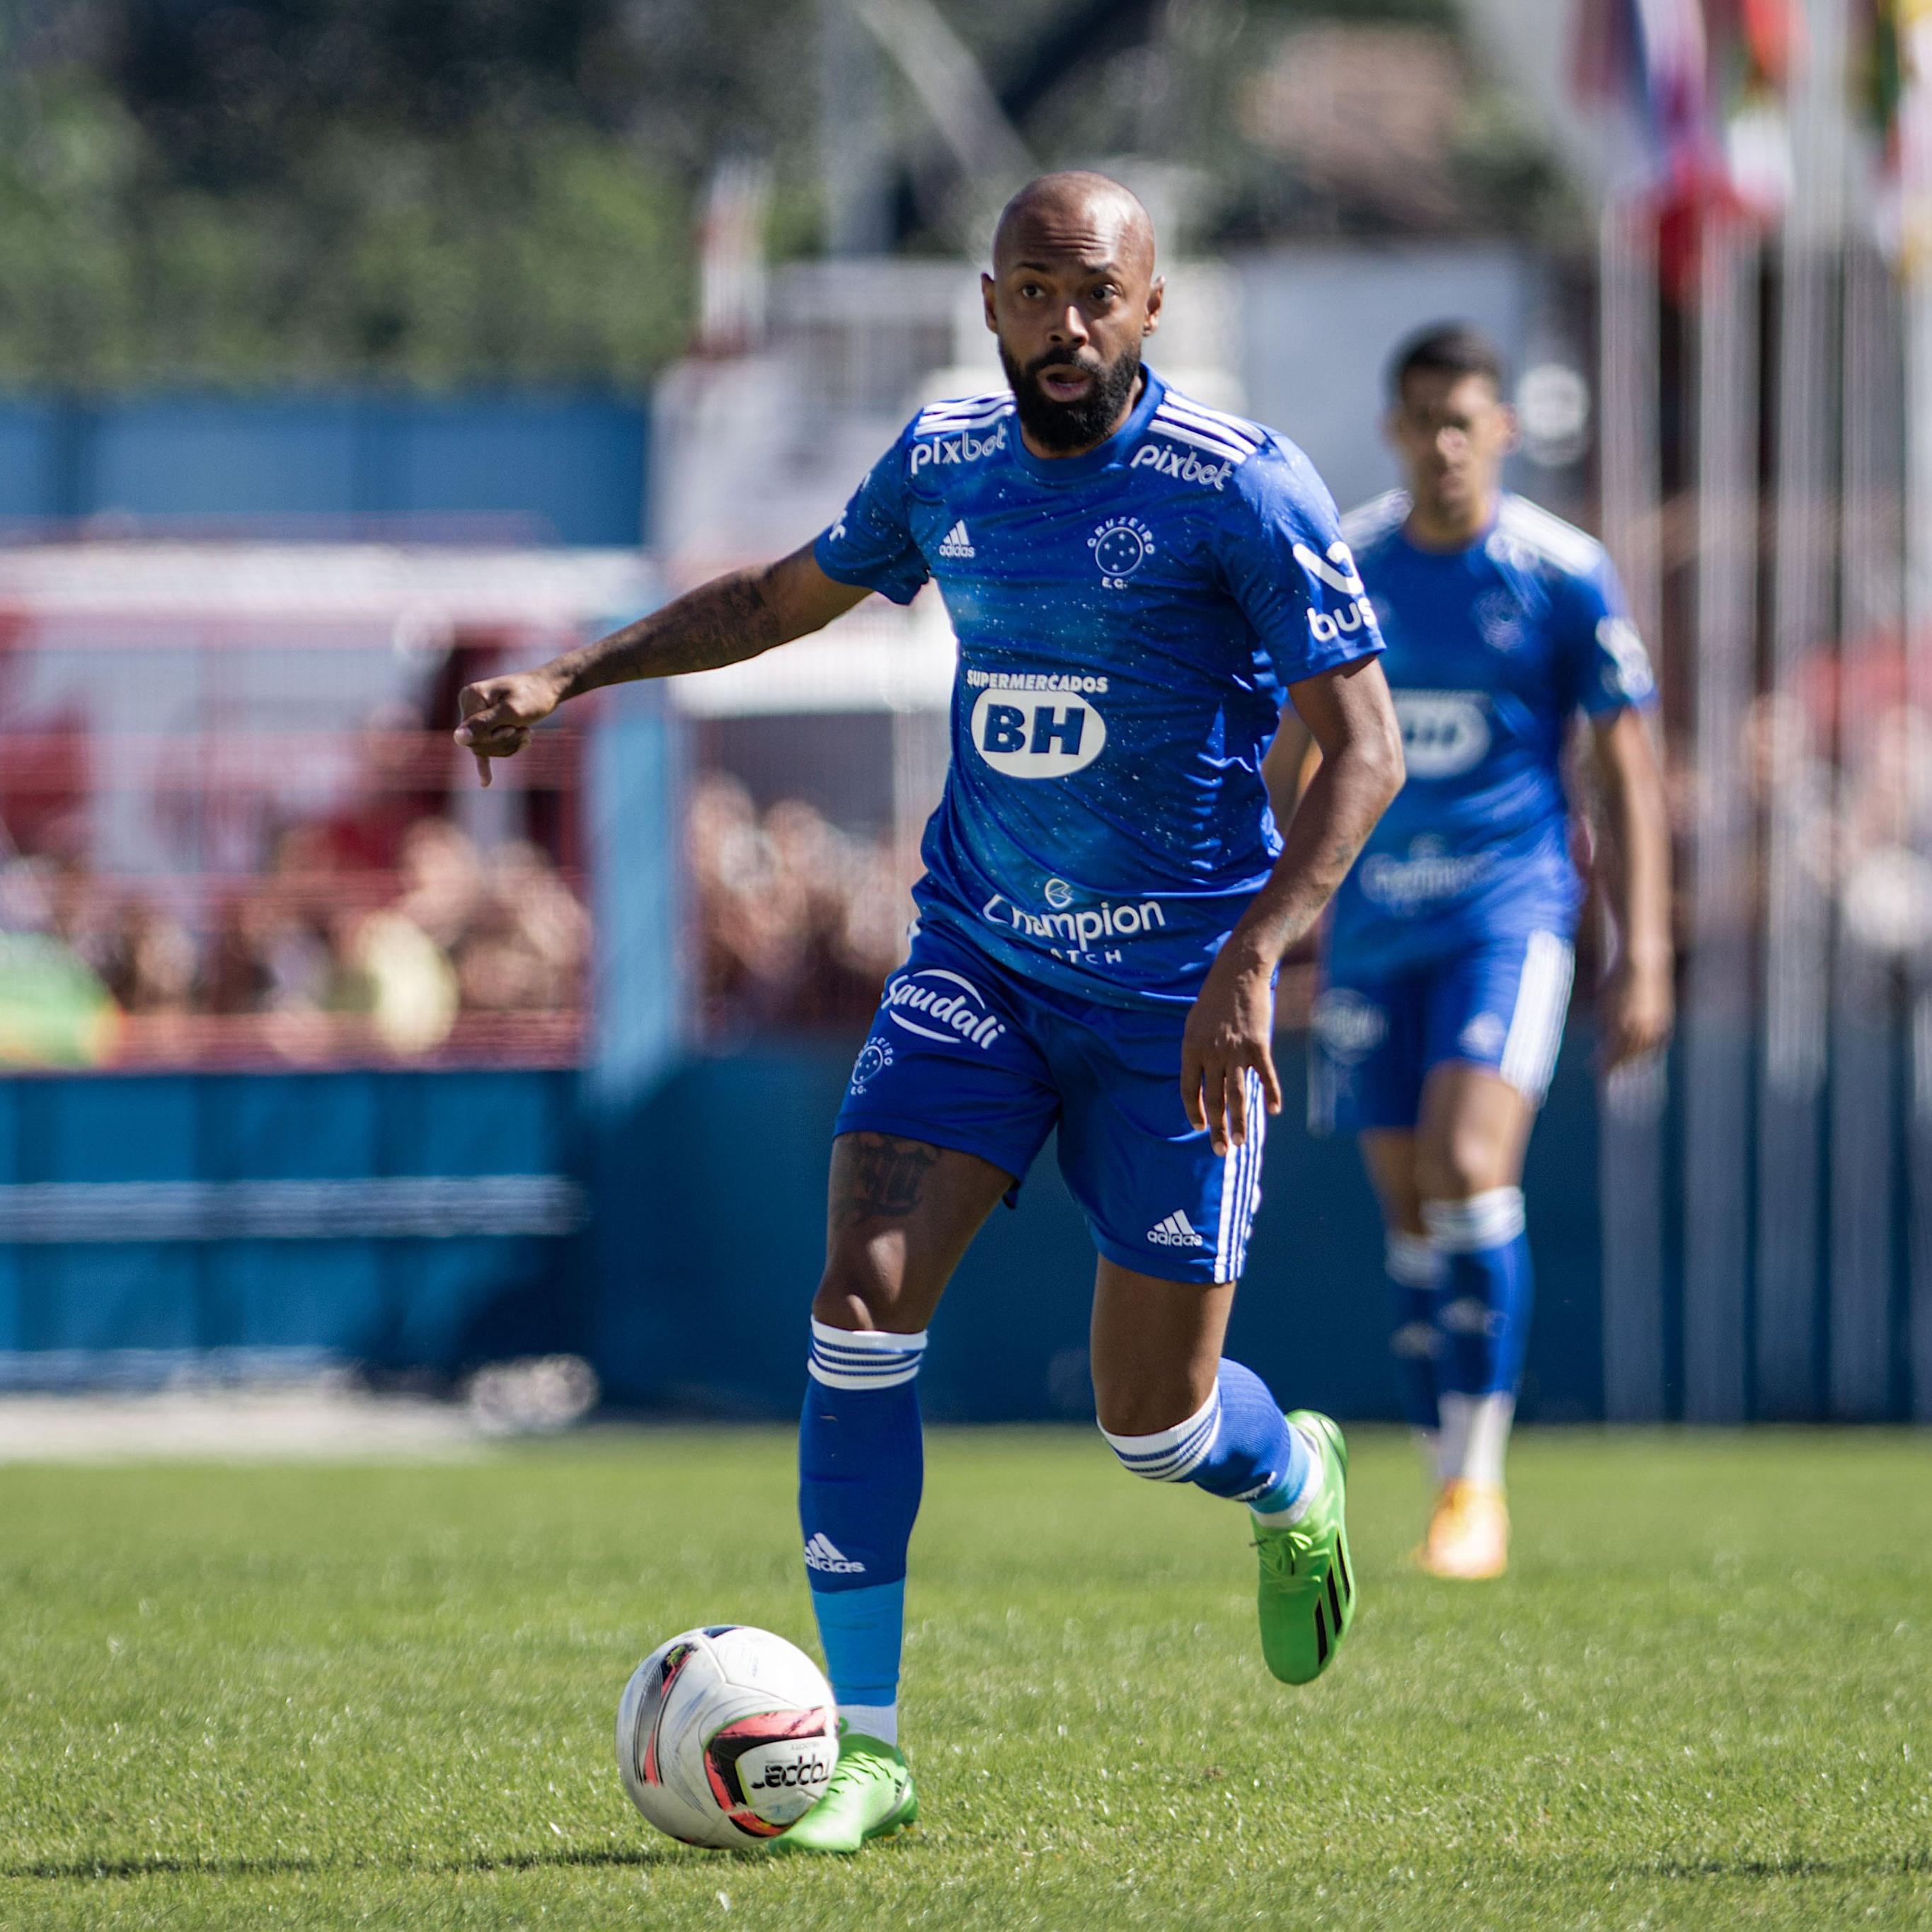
x=383, y=1697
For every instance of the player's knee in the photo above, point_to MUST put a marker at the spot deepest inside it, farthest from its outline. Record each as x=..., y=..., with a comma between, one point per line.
x=1145, y=1425
x=855, y=1293
x=1457, y=1164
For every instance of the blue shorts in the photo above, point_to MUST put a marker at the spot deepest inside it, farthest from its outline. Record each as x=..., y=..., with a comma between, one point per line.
x=1372, y=1039
x=965, y=1054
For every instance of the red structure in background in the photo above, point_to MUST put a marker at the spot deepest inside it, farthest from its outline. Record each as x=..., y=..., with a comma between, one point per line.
x=237, y=833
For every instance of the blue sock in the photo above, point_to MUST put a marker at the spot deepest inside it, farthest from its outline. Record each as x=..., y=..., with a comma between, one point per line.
x=861, y=1466
x=1236, y=1445
x=1484, y=1311
x=1415, y=1277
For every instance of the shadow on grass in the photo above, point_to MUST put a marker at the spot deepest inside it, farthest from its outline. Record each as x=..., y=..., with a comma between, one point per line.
x=1890, y=1864
x=562, y=1857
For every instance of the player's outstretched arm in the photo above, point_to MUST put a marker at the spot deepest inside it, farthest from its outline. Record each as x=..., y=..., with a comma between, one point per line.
x=1638, y=1001
x=1348, y=712
x=731, y=618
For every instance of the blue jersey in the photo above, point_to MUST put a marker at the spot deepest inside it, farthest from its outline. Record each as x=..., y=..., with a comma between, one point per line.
x=1128, y=623
x=1492, y=651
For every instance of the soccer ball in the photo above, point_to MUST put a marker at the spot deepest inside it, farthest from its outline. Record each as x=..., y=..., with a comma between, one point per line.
x=726, y=1735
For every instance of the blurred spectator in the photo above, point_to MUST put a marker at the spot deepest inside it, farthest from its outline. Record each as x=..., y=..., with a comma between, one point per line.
x=798, y=922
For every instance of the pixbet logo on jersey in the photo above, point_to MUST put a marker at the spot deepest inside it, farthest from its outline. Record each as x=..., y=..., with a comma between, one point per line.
x=937, y=1004
x=964, y=448
x=1120, y=546
x=1183, y=464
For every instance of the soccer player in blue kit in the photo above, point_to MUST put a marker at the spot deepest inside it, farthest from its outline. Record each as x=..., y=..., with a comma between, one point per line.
x=1447, y=969
x=1139, y=585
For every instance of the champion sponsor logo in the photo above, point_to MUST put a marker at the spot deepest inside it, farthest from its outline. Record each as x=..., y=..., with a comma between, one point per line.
x=1036, y=741
x=874, y=1057
x=966, y=447
x=1176, y=1231
x=1182, y=465
x=1444, y=733
x=1483, y=1036
x=956, y=543
x=1347, y=1025
x=822, y=1553
x=1080, y=926
x=1428, y=873
x=937, y=1004
x=1120, y=546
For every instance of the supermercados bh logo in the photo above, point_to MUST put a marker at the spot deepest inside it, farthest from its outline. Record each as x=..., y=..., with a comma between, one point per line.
x=964, y=448
x=1337, y=571
x=1444, y=733
x=1164, y=460
x=1040, y=726
x=939, y=1005
x=1120, y=546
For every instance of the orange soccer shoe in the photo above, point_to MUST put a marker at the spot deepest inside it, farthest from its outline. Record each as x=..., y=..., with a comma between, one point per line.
x=1469, y=1533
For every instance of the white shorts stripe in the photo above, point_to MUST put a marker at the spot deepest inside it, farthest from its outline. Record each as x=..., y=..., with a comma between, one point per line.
x=1536, y=1026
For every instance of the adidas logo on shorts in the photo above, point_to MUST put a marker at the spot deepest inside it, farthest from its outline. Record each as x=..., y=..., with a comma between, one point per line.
x=822, y=1553
x=956, y=543
x=1176, y=1231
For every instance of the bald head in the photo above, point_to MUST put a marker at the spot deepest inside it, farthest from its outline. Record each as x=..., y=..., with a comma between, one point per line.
x=1072, y=296
x=1075, y=213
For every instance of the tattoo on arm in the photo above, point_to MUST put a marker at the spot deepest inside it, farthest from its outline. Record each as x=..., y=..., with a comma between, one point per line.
x=721, y=622
x=880, y=1178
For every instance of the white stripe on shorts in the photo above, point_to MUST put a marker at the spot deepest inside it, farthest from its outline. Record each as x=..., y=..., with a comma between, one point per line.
x=1536, y=1026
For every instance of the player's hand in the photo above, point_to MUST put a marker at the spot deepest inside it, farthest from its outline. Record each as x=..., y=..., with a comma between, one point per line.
x=498, y=715
x=1230, y=1030
x=1639, y=1007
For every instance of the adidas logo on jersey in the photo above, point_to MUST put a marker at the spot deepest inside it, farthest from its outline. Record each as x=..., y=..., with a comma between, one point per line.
x=956, y=543
x=1176, y=1231
x=822, y=1553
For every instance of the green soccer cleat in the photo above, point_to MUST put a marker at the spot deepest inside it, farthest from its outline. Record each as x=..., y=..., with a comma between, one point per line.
x=871, y=1794
x=1307, y=1598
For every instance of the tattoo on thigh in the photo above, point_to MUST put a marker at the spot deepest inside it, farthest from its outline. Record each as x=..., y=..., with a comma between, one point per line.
x=884, y=1178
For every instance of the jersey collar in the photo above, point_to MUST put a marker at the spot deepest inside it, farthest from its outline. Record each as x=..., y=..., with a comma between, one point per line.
x=1108, y=455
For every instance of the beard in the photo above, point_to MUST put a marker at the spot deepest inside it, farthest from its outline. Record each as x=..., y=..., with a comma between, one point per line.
x=1079, y=424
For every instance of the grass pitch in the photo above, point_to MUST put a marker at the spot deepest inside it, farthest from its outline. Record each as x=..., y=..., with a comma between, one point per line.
x=356, y=1696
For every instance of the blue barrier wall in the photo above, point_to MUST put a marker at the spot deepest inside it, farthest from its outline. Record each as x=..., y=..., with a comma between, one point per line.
x=407, y=1220
x=726, y=1213
x=563, y=469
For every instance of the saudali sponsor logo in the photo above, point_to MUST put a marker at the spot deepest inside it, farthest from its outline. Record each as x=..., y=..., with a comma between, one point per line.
x=937, y=1004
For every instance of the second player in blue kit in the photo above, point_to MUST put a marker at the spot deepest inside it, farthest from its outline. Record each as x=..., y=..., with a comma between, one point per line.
x=1446, y=973
x=1139, y=585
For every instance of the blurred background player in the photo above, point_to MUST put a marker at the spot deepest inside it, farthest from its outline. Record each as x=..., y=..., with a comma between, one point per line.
x=1448, y=962
x=1139, y=584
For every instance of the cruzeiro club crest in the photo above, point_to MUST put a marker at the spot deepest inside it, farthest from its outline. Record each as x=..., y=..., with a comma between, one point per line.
x=1120, y=546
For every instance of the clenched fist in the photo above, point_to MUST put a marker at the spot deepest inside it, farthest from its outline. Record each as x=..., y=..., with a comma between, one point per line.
x=498, y=713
